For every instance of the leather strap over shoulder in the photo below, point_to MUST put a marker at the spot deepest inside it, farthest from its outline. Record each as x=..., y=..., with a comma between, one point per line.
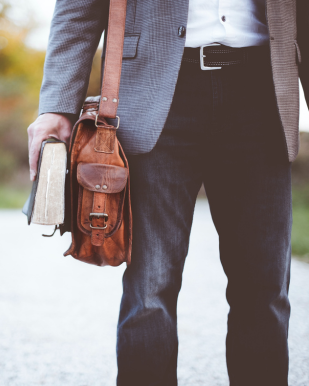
x=113, y=59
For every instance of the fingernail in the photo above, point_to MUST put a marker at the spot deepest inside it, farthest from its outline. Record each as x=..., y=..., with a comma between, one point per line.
x=32, y=175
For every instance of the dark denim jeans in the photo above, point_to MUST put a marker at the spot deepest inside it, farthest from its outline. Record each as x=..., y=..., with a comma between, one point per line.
x=223, y=130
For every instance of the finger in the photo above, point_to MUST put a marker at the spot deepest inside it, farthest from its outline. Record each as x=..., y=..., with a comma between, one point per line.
x=65, y=132
x=66, y=139
x=54, y=136
x=34, y=157
x=63, y=137
x=30, y=137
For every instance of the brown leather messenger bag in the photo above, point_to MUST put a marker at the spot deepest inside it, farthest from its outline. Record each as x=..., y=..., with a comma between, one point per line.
x=100, y=207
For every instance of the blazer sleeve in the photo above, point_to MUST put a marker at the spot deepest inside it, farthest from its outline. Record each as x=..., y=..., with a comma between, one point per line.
x=75, y=33
x=303, y=42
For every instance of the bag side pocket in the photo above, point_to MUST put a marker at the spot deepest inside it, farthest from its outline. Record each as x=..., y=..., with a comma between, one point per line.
x=101, y=197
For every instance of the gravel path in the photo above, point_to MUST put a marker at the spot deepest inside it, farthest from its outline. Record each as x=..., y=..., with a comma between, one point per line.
x=58, y=316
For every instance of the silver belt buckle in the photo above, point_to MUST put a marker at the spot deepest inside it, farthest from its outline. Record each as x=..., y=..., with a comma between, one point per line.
x=202, y=56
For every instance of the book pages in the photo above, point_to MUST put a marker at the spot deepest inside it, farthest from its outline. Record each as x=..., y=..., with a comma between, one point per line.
x=49, y=200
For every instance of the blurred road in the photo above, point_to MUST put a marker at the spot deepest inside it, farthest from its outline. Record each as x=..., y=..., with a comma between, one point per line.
x=58, y=316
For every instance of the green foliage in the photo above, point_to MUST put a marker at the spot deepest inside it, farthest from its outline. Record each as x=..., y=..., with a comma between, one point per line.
x=13, y=198
x=300, y=184
x=21, y=70
x=300, y=167
x=300, y=230
x=94, y=87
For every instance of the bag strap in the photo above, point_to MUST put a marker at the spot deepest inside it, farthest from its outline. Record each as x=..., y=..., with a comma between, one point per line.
x=113, y=60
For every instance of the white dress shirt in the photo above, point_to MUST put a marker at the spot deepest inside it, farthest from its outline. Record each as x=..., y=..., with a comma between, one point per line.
x=234, y=23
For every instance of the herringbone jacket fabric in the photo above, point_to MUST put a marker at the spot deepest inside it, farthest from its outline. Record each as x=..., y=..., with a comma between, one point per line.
x=152, y=57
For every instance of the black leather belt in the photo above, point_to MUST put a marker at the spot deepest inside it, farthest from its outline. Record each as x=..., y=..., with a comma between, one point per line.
x=215, y=56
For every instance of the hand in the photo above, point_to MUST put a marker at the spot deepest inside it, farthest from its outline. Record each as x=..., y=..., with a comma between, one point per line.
x=46, y=126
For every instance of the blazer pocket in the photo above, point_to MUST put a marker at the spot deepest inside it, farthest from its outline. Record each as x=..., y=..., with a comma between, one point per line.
x=130, y=45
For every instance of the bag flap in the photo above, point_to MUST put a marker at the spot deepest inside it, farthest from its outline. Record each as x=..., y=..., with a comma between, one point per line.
x=102, y=178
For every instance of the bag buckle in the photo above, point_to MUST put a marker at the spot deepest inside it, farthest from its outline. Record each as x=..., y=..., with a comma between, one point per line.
x=202, y=56
x=96, y=121
x=98, y=215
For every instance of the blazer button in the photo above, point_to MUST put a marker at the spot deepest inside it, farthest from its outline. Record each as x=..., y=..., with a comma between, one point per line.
x=181, y=31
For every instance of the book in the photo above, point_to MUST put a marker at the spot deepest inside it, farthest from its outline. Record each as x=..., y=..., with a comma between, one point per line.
x=46, y=203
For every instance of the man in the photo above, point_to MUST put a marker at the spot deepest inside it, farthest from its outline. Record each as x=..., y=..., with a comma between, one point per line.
x=208, y=94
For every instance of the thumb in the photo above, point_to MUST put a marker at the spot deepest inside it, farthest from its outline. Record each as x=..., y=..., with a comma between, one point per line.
x=33, y=158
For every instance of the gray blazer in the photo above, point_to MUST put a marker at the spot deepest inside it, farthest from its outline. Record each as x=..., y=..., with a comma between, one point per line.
x=152, y=57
